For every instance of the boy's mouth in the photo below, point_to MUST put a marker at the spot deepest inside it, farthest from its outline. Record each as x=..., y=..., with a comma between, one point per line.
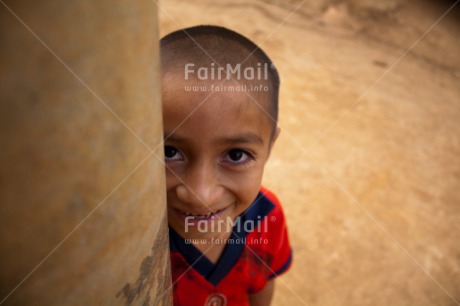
x=209, y=216
x=200, y=216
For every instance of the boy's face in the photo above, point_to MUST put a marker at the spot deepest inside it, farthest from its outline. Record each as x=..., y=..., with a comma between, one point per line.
x=215, y=151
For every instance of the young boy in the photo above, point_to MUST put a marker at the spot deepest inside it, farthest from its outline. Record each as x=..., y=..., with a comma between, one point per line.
x=228, y=237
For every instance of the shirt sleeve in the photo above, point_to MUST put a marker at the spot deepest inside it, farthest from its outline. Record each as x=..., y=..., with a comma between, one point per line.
x=279, y=247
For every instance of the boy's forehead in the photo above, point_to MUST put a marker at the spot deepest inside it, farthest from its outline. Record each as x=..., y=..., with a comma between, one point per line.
x=213, y=105
x=242, y=94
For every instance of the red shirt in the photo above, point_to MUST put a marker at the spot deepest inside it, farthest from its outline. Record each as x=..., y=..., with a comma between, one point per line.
x=257, y=251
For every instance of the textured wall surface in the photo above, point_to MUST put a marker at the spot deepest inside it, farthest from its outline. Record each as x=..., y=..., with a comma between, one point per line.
x=82, y=202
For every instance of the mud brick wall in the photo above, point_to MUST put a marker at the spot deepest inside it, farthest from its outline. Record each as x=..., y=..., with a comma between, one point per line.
x=82, y=201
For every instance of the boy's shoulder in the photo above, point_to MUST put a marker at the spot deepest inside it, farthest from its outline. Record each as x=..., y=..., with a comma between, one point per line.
x=270, y=195
x=268, y=246
x=268, y=232
x=265, y=205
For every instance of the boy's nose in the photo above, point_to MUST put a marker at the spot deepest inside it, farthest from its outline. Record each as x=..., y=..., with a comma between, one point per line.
x=200, y=189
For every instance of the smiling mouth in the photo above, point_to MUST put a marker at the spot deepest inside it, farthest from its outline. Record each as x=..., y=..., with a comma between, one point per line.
x=200, y=216
x=208, y=216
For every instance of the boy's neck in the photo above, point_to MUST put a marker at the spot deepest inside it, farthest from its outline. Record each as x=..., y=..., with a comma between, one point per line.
x=209, y=244
x=212, y=251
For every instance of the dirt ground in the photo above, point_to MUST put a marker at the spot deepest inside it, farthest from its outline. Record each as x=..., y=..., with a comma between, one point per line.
x=367, y=164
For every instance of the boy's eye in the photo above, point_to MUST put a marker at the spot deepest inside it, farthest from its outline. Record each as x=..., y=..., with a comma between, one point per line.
x=237, y=156
x=171, y=153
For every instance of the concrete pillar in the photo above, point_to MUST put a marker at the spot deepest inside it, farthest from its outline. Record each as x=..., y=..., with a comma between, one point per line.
x=82, y=201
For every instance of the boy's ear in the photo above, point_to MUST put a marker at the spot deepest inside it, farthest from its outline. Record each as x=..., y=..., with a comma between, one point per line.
x=274, y=137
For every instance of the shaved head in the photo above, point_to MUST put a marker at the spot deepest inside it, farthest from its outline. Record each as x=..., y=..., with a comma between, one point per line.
x=212, y=53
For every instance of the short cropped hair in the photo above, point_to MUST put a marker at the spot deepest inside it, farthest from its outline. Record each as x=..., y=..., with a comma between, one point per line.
x=216, y=46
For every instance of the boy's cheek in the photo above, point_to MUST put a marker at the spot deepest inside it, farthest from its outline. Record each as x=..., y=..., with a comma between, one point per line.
x=171, y=177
